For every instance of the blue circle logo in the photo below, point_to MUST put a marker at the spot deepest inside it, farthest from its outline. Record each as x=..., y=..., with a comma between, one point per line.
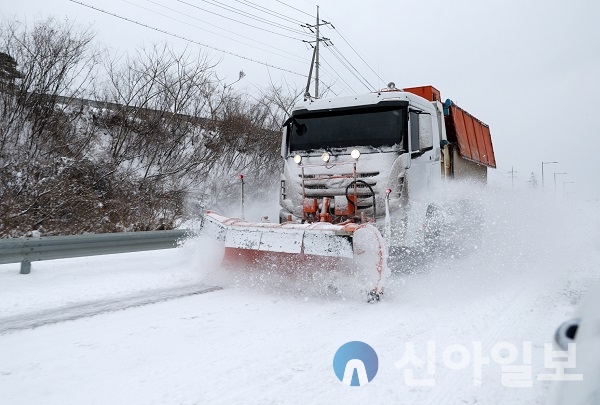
x=355, y=363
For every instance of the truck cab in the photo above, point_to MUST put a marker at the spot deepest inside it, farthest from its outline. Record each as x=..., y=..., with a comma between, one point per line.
x=384, y=144
x=375, y=155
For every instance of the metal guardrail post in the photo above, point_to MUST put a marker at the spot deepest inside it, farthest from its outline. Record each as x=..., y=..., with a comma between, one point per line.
x=25, y=267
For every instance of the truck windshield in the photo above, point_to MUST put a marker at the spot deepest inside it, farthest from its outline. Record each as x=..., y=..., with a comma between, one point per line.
x=375, y=126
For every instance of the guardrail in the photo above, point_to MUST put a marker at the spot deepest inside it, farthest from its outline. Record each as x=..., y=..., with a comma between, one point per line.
x=27, y=250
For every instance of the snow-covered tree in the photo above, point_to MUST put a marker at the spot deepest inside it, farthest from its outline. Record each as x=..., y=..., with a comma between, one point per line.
x=8, y=72
x=79, y=154
x=533, y=180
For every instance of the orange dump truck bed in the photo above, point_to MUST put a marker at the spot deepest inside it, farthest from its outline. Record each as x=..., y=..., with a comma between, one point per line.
x=472, y=136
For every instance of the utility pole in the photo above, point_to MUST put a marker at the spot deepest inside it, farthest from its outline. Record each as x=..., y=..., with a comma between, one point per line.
x=315, y=59
x=512, y=176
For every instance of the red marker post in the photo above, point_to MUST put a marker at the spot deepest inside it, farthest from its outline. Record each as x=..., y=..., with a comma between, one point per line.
x=241, y=177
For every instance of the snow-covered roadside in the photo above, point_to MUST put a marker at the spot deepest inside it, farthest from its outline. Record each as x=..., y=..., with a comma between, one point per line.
x=60, y=283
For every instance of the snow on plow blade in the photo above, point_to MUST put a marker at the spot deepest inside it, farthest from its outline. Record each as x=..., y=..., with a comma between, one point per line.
x=348, y=244
x=321, y=239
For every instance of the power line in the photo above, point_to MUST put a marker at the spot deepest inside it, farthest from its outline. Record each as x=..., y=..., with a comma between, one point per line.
x=187, y=39
x=331, y=83
x=348, y=68
x=335, y=51
x=240, y=22
x=356, y=52
x=342, y=59
x=330, y=88
x=297, y=9
x=235, y=10
x=364, y=79
x=270, y=12
x=338, y=75
x=296, y=57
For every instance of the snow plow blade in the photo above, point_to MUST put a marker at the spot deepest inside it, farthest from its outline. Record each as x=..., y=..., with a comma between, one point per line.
x=357, y=246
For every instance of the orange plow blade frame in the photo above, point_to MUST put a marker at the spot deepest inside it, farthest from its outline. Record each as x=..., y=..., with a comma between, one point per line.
x=249, y=242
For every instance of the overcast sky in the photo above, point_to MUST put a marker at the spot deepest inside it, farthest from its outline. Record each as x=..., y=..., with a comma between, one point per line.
x=529, y=68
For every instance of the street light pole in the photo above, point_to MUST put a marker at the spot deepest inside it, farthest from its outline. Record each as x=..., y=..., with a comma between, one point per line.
x=555, y=181
x=565, y=186
x=545, y=163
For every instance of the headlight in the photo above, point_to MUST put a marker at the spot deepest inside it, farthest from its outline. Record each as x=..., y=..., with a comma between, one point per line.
x=297, y=159
x=355, y=154
x=325, y=156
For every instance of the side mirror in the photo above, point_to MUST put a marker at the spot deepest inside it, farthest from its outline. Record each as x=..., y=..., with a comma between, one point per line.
x=421, y=132
x=566, y=333
x=284, y=142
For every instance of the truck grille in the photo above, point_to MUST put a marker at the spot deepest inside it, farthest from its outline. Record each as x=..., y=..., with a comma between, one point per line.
x=349, y=176
x=330, y=185
x=365, y=175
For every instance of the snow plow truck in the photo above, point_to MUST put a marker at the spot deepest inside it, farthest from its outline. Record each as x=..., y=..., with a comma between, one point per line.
x=354, y=169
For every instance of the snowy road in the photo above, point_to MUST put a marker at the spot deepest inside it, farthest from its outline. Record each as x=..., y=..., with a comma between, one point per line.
x=261, y=340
